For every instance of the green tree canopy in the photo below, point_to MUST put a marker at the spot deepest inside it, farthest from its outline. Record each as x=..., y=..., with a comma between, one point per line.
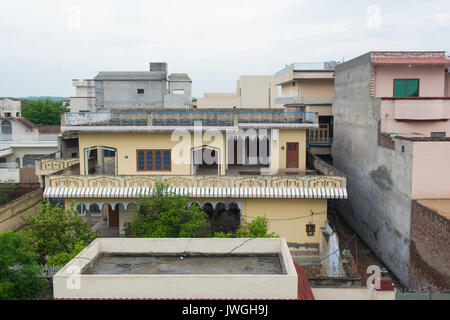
x=55, y=230
x=19, y=270
x=168, y=215
x=257, y=228
x=45, y=112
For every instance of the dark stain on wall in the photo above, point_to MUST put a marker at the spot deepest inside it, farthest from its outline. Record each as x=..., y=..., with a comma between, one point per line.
x=382, y=178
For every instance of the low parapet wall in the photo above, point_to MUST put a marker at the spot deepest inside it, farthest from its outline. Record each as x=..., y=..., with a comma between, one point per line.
x=11, y=213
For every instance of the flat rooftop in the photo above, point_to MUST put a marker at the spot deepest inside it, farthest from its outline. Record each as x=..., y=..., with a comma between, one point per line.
x=186, y=264
x=441, y=206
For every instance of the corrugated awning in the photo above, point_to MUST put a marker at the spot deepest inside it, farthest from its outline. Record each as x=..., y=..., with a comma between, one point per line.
x=323, y=193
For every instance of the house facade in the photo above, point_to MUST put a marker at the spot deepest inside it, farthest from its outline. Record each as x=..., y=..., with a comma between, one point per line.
x=240, y=163
x=125, y=90
x=310, y=85
x=21, y=143
x=391, y=126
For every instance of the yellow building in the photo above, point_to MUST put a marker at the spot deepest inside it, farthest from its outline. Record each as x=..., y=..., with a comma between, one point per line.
x=310, y=85
x=248, y=162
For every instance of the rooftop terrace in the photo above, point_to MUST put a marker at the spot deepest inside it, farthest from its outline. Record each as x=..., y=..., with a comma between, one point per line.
x=167, y=119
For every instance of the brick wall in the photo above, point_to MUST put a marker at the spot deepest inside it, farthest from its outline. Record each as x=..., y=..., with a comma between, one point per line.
x=384, y=139
x=429, y=249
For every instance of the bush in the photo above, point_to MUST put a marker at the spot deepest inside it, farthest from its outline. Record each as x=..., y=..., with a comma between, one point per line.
x=19, y=269
x=257, y=228
x=168, y=215
x=55, y=230
x=62, y=258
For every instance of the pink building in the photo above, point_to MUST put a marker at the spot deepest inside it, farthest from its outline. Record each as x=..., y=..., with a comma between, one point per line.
x=392, y=140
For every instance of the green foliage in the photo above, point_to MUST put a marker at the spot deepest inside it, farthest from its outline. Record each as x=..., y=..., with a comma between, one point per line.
x=45, y=112
x=6, y=190
x=61, y=259
x=19, y=270
x=55, y=230
x=257, y=228
x=168, y=215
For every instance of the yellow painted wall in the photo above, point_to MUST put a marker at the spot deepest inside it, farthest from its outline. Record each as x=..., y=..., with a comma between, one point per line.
x=284, y=136
x=316, y=88
x=295, y=214
x=127, y=143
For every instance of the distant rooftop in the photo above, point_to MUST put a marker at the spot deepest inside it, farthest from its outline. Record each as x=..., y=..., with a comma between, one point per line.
x=308, y=66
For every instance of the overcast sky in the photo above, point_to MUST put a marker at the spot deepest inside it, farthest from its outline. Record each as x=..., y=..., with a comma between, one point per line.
x=46, y=43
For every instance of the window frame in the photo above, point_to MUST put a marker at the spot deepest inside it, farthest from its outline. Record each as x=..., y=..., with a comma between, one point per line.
x=145, y=151
x=406, y=79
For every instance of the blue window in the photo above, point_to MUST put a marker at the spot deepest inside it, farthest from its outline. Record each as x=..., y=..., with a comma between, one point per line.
x=166, y=160
x=157, y=160
x=148, y=160
x=141, y=160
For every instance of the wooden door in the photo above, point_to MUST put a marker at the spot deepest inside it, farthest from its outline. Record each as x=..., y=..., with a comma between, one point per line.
x=292, y=155
x=113, y=221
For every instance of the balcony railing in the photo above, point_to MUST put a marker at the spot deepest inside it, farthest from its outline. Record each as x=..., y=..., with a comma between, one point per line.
x=187, y=118
x=319, y=136
x=305, y=100
x=29, y=137
x=9, y=165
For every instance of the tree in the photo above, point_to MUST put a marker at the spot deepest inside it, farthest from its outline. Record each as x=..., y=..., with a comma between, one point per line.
x=55, y=230
x=257, y=228
x=168, y=215
x=6, y=191
x=19, y=270
x=45, y=112
x=62, y=258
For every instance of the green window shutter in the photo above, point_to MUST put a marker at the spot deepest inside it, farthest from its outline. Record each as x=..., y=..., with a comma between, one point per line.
x=399, y=88
x=412, y=88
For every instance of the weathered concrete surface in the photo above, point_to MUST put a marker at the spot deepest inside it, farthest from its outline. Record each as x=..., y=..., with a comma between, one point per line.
x=182, y=264
x=378, y=179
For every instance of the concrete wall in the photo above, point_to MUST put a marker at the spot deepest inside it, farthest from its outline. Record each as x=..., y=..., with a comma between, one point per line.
x=180, y=286
x=11, y=213
x=430, y=174
x=123, y=94
x=11, y=106
x=7, y=174
x=251, y=92
x=378, y=179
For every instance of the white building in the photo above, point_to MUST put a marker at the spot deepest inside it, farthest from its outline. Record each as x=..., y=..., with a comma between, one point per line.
x=84, y=100
x=21, y=143
x=10, y=107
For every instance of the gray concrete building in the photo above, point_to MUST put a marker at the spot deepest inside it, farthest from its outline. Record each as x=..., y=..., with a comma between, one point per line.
x=125, y=90
x=386, y=143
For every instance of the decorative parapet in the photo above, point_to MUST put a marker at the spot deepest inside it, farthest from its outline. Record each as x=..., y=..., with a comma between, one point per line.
x=277, y=181
x=46, y=166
